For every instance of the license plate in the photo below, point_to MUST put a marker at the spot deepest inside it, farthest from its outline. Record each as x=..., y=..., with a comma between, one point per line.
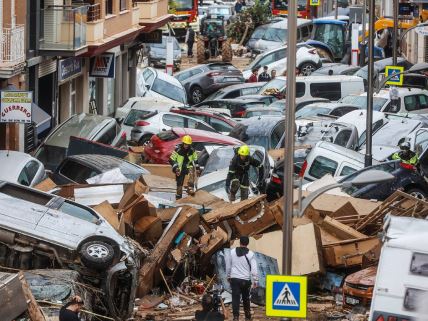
x=352, y=301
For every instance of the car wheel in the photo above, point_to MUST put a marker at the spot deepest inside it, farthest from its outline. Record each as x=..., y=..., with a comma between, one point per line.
x=417, y=193
x=97, y=255
x=144, y=140
x=307, y=68
x=196, y=94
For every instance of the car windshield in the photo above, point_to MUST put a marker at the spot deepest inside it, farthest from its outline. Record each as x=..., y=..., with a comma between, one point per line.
x=216, y=10
x=51, y=156
x=275, y=34
x=276, y=83
x=259, y=32
x=332, y=35
x=361, y=101
x=183, y=5
x=309, y=111
x=163, y=44
x=169, y=90
x=133, y=116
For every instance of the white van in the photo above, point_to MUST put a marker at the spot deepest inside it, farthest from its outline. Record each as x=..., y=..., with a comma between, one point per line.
x=327, y=158
x=332, y=88
x=401, y=286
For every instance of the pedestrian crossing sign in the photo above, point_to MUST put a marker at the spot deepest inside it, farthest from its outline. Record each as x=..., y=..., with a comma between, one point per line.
x=315, y=2
x=396, y=80
x=286, y=296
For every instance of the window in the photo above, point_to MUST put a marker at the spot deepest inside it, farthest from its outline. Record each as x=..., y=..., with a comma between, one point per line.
x=342, y=111
x=411, y=102
x=419, y=264
x=28, y=173
x=414, y=299
x=280, y=54
x=108, y=137
x=173, y=120
x=322, y=166
x=183, y=76
x=342, y=137
x=197, y=125
x=123, y=5
x=248, y=91
x=346, y=170
x=331, y=91
x=421, y=141
x=305, y=32
x=423, y=101
x=109, y=7
x=300, y=89
x=77, y=172
x=277, y=134
x=220, y=125
x=169, y=90
x=276, y=35
x=148, y=76
x=233, y=94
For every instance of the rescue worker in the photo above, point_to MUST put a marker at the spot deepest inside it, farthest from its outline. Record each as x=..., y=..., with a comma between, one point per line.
x=238, y=178
x=182, y=160
x=405, y=155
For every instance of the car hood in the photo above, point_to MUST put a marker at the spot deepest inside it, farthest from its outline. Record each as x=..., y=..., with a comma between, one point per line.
x=381, y=152
x=365, y=277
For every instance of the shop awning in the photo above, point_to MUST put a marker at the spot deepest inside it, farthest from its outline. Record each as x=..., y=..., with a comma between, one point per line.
x=41, y=119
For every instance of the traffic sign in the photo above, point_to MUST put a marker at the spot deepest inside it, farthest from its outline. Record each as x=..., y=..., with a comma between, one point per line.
x=396, y=80
x=315, y=2
x=286, y=296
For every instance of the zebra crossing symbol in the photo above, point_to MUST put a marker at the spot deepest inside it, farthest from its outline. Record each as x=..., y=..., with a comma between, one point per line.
x=286, y=298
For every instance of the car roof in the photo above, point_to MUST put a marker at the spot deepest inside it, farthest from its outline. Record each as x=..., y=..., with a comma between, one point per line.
x=12, y=163
x=241, y=86
x=337, y=149
x=205, y=66
x=196, y=133
x=358, y=118
x=260, y=125
x=104, y=163
x=165, y=77
x=384, y=93
x=331, y=105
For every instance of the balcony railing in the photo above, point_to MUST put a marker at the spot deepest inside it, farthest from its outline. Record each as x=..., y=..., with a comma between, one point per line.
x=63, y=28
x=12, y=45
x=94, y=12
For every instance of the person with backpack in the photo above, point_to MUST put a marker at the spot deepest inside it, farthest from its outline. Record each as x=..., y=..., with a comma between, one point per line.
x=241, y=271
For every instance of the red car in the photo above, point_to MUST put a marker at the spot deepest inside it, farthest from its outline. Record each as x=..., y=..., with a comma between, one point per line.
x=218, y=121
x=160, y=147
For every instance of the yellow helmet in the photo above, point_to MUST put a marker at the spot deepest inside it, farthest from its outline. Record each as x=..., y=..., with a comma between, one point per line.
x=244, y=150
x=187, y=140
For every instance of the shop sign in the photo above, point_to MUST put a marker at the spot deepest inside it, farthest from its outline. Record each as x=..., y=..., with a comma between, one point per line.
x=103, y=66
x=69, y=67
x=15, y=106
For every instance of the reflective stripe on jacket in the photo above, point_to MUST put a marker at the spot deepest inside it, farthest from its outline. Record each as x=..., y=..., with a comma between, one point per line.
x=178, y=155
x=412, y=161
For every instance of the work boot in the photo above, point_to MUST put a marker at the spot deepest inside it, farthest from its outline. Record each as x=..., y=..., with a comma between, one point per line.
x=232, y=197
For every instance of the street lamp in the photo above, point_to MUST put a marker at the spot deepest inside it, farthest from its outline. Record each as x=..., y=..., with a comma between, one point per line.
x=371, y=176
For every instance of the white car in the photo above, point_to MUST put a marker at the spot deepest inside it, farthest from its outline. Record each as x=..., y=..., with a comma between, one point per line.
x=155, y=83
x=411, y=100
x=307, y=61
x=149, y=124
x=21, y=168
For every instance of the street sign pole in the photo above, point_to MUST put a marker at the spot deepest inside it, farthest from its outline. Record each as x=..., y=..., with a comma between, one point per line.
x=287, y=227
x=395, y=33
x=369, y=118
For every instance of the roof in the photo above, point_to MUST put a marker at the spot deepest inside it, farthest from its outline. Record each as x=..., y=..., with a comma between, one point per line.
x=260, y=125
x=164, y=76
x=384, y=93
x=358, y=118
x=337, y=149
x=329, y=21
x=202, y=133
x=12, y=163
x=331, y=105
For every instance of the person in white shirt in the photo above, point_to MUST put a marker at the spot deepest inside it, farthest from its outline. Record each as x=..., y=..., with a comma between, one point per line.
x=241, y=269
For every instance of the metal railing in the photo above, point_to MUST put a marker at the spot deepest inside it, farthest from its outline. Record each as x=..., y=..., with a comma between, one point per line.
x=12, y=45
x=94, y=12
x=63, y=28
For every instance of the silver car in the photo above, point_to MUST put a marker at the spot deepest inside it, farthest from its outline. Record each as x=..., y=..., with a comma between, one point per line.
x=40, y=230
x=17, y=167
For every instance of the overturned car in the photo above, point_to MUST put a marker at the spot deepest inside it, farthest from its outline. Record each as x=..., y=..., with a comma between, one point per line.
x=40, y=230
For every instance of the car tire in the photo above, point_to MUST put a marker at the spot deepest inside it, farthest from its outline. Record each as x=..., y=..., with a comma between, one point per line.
x=307, y=68
x=196, y=94
x=226, y=51
x=97, y=255
x=418, y=193
x=144, y=140
x=200, y=51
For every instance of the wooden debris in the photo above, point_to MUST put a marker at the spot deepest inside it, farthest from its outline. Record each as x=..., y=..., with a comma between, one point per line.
x=36, y=314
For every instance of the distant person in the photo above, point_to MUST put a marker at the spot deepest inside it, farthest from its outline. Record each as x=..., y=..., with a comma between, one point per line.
x=238, y=6
x=272, y=74
x=70, y=311
x=190, y=40
x=264, y=76
x=405, y=155
x=253, y=77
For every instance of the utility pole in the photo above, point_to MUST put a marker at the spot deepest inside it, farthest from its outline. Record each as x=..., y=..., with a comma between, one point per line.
x=336, y=10
x=363, y=36
x=395, y=33
x=369, y=119
x=290, y=104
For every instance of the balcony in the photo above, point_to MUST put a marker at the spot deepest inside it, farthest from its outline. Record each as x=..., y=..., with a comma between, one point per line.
x=12, y=51
x=63, y=30
x=153, y=13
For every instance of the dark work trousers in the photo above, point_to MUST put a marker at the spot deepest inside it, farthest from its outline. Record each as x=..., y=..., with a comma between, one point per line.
x=190, y=48
x=241, y=288
x=180, y=182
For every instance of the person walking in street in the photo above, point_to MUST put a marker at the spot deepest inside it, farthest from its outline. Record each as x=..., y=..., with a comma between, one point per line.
x=238, y=6
x=184, y=160
x=264, y=76
x=253, y=77
x=241, y=271
x=70, y=311
x=272, y=74
x=190, y=40
x=238, y=178
x=405, y=155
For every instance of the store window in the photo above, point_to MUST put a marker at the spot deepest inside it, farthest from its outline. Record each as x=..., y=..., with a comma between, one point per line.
x=123, y=5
